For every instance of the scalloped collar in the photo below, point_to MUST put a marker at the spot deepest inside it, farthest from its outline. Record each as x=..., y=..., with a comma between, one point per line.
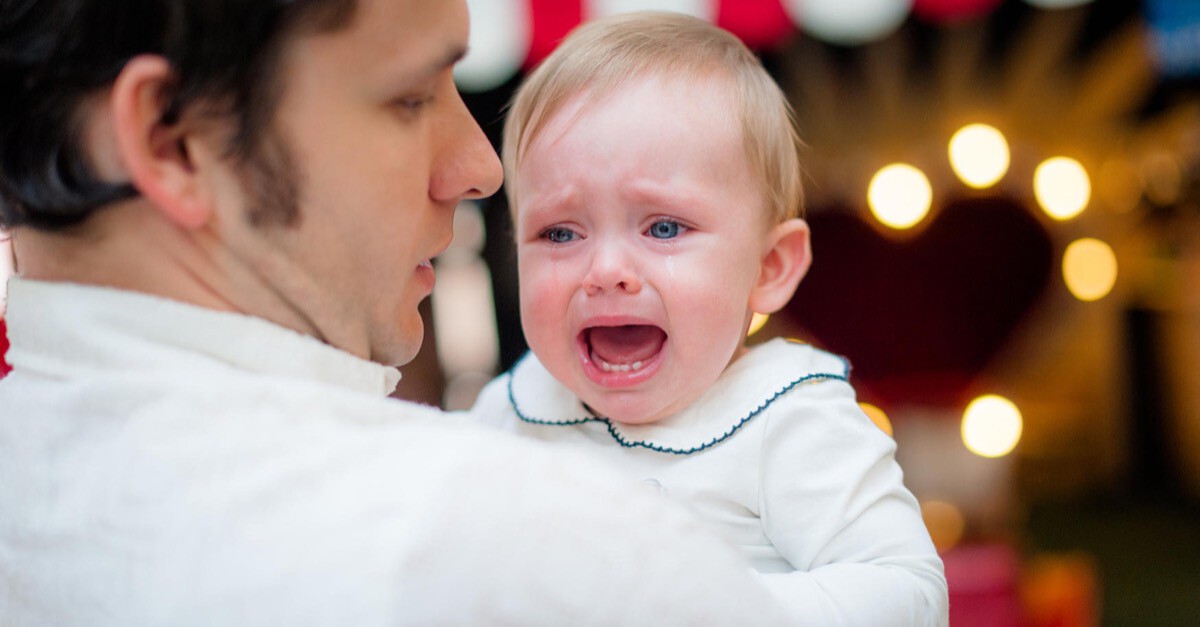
x=745, y=389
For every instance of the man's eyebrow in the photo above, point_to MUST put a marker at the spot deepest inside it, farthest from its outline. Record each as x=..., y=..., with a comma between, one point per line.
x=451, y=58
x=419, y=74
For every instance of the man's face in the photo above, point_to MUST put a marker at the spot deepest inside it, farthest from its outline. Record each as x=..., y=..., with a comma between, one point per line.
x=382, y=149
x=640, y=233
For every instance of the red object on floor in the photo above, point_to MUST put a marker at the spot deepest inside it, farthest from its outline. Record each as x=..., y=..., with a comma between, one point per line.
x=1061, y=590
x=984, y=585
x=4, y=367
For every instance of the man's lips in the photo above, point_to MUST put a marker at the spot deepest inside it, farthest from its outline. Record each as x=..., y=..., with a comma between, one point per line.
x=425, y=274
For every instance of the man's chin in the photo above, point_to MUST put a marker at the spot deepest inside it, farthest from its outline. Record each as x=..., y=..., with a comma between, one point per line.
x=399, y=350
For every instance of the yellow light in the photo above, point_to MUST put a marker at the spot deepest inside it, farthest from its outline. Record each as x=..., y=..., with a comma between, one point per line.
x=1164, y=181
x=877, y=416
x=944, y=522
x=991, y=426
x=757, y=322
x=1062, y=187
x=979, y=155
x=899, y=195
x=1089, y=269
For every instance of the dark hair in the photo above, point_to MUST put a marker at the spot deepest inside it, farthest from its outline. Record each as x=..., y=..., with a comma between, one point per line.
x=54, y=54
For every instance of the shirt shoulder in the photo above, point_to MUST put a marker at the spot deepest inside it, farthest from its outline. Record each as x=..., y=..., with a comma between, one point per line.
x=492, y=407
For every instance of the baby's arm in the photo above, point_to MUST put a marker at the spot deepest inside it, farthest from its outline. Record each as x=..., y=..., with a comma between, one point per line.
x=833, y=503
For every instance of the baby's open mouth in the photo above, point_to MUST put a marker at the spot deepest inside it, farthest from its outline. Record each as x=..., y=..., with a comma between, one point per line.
x=625, y=348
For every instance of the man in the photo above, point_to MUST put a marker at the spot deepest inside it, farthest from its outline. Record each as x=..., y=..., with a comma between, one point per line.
x=223, y=213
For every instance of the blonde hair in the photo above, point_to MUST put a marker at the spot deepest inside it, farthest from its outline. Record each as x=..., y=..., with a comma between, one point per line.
x=604, y=54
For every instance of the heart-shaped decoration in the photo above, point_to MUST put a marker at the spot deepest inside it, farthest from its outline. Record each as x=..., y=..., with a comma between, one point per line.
x=921, y=314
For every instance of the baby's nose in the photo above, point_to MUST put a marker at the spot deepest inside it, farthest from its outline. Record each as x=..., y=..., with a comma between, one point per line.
x=612, y=270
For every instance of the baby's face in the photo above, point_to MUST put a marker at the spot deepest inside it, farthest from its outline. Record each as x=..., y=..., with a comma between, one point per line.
x=640, y=233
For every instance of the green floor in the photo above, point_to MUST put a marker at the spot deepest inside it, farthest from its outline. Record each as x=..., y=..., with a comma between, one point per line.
x=1149, y=556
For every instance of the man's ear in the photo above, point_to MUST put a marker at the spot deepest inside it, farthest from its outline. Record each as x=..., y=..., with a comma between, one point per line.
x=153, y=149
x=784, y=264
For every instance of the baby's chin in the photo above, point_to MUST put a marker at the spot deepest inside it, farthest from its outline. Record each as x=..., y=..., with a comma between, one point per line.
x=635, y=408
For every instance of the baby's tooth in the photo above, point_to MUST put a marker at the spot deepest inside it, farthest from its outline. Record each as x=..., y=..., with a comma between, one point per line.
x=607, y=367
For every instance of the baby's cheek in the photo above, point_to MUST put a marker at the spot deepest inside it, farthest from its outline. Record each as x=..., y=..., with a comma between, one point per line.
x=548, y=292
x=715, y=315
x=546, y=298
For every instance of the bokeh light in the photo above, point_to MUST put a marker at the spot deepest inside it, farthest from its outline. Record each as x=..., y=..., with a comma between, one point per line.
x=703, y=9
x=1163, y=178
x=1089, y=269
x=848, y=22
x=757, y=322
x=979, y=155
x=758, y=23
x=467, y=338
x=1062, y=187
x=945, y=523
x=499, y=43
x=991, y=426
x=899, y=195
x=878, y=416
x=551, y=20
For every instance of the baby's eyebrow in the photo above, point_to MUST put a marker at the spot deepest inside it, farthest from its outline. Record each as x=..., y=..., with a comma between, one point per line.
x=667, y=195
x=546, y=203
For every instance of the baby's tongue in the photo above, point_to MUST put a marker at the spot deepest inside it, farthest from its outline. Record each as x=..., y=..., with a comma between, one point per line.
x=626, y=344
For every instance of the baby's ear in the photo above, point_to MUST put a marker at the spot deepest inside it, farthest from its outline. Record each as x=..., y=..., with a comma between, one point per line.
x=784, y=264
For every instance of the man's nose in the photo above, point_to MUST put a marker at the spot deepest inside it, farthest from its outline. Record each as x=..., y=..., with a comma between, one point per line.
x=469, y=168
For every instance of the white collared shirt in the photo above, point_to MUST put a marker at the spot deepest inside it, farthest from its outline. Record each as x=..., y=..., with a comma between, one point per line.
x=163, y=464
x=779, y=457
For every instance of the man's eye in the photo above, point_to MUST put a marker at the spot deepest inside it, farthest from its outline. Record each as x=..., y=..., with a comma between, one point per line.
x=413, y=104
x=665, y=229
x=558, y=235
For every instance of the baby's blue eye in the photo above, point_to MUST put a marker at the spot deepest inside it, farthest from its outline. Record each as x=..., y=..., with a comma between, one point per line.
x=558, y=235
x=665, y=229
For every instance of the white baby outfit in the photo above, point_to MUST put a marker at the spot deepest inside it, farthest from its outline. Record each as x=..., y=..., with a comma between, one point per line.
x=779, y=456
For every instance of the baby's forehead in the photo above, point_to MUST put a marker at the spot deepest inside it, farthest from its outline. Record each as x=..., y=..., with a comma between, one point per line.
x=693, y=83
x=579, y=109
x=637, y=120
x=648, y=161
x=627, y=94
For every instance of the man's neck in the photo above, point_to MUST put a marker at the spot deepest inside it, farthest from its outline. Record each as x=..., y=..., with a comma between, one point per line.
x=129, y=246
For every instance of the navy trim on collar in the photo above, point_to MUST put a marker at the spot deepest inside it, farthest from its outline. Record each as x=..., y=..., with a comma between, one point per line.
x=844, y=376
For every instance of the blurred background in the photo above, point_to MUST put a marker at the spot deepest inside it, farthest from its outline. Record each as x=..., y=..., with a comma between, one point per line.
x=1005, y=210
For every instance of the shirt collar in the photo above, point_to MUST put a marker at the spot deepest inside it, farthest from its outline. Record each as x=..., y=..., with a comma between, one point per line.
x=750, y=385
x=62, y=330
